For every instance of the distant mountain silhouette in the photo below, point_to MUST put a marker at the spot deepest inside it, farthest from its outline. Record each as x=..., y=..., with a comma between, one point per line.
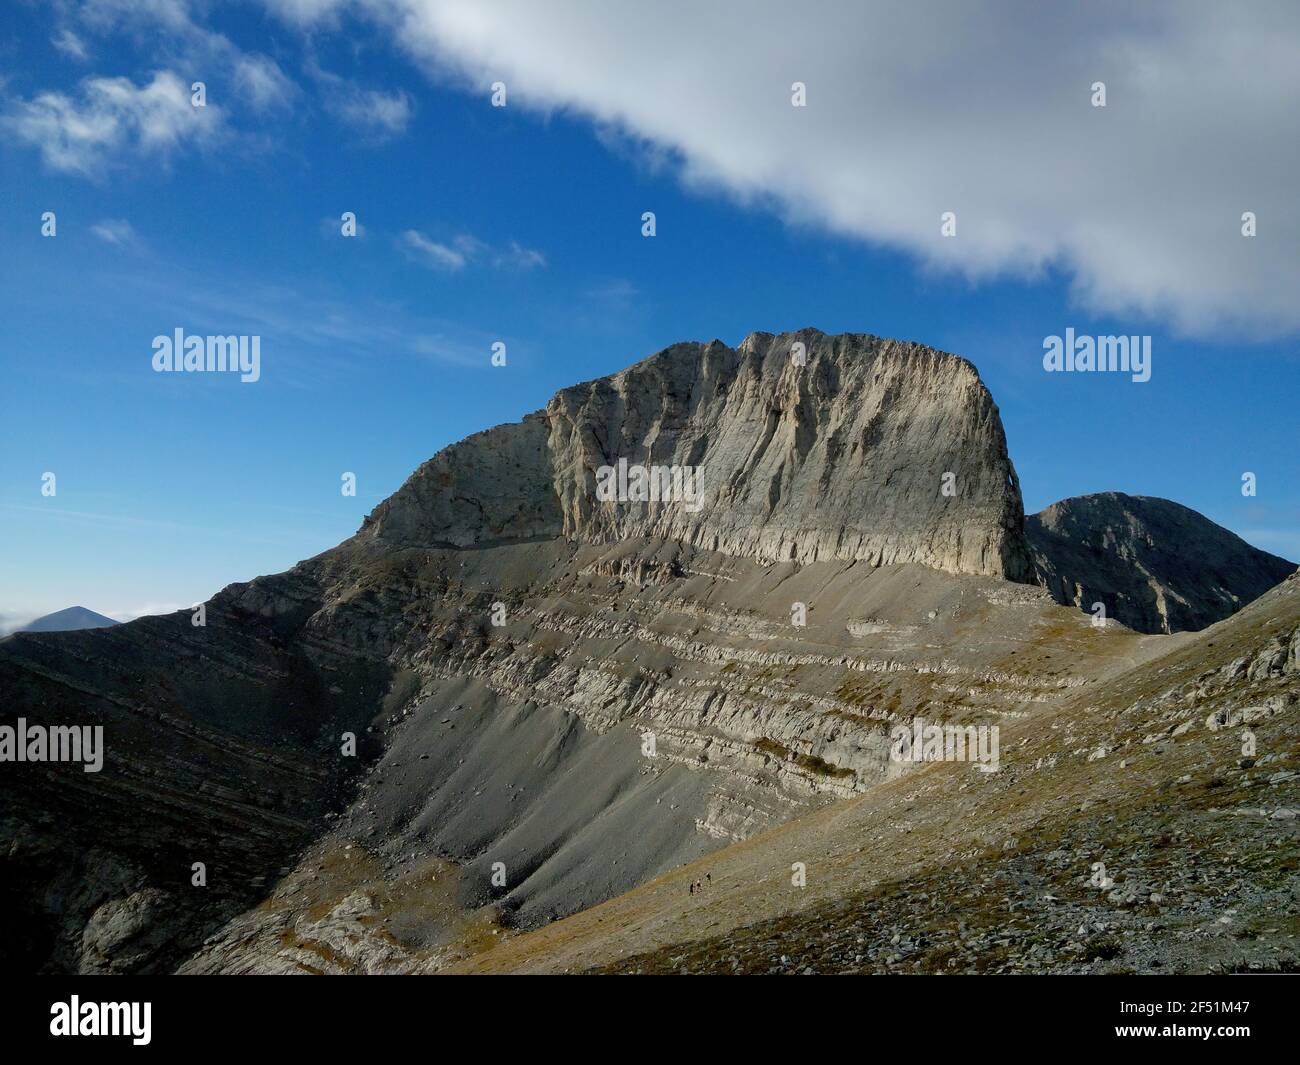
x=74, y=617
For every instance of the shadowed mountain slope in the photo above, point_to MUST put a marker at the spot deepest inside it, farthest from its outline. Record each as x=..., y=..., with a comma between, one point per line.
x=1155, y=565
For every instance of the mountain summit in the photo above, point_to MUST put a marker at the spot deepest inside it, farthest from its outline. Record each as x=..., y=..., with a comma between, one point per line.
x=1155, y=565
x=809, y=447
x=71, y=619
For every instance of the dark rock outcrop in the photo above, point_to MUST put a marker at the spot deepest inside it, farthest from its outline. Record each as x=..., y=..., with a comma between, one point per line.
x=1155, y=565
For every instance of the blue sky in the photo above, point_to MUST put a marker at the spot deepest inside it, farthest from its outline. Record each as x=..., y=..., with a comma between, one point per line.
x=375, y=354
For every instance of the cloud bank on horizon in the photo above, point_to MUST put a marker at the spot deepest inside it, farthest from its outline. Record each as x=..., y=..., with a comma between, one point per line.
x=916, y=109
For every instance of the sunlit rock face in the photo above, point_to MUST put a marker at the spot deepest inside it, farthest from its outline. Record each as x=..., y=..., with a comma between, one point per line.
x=800, y=447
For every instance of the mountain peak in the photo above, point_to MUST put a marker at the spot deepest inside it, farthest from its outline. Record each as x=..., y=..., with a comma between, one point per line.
x=68, y=620
x=806, y=447
x=1156, y=565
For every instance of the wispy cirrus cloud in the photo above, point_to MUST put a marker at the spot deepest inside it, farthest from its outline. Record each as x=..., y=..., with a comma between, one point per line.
x=262, y=84
x=320, y=336
x=172, y=34
x=466, y=249
x=116, y=231
x=111, y=118
x=430, y=252
x=71, y=45
x=307, y=12
x=375, y=115
x=517, y=257
x=175, y=16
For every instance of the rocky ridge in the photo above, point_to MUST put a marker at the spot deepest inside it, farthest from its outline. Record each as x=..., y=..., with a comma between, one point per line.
x=1154, y=565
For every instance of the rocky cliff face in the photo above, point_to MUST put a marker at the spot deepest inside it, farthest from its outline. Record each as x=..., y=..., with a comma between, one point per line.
x=861, y=449
x=1155, y=565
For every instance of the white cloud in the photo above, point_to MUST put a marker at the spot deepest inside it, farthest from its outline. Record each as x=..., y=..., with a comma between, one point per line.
x=113, y=117
x=617, y=293
x=380, y=116
x=306, y=12
x=148, y=610
x=262, y=83
x=471, y=352
x=913, y=110
x=115, y=231
x=12, y=622
x=323, y=330
x=516, y=257
x=465, y=249
x=173, y=15
x=169, y=31
x=431, y=253
x=70, y=45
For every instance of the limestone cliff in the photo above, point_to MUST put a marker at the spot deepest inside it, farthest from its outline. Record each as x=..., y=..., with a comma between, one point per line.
x=841, y=454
